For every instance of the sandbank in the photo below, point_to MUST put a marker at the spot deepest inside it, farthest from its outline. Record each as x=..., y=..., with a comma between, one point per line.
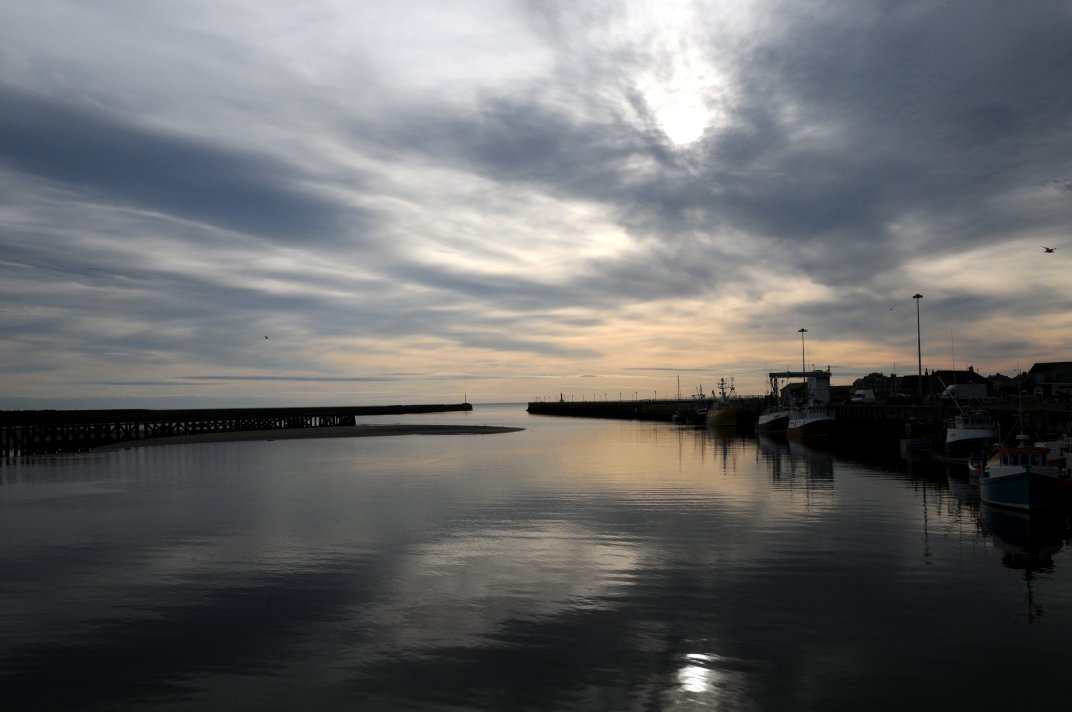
x=342, y=431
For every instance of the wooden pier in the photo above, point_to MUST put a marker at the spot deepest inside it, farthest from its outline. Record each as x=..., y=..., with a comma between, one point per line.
x=39, y=432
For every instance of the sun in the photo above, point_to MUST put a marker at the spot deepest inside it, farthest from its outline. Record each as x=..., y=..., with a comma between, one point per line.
x=684, y=94
x=684, y=120
x=678, y=108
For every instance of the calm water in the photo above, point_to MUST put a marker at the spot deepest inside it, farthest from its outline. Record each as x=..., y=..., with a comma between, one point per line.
x=578, y=565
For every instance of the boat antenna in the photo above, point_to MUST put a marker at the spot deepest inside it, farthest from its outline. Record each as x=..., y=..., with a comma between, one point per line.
x=952, y=394
x=953, y=355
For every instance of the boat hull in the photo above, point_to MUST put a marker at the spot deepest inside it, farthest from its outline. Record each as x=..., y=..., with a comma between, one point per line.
x=722, y=416
x=775, y=421
x=810, y=426
x=917, y=444
x=968, y=433
x=1023, y=490
x=965, y=445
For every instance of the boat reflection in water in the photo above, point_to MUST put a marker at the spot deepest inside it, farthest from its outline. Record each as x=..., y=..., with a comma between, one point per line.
x=964, y=492
x=794, y=463
x=1028, y=541
x=1025, y=539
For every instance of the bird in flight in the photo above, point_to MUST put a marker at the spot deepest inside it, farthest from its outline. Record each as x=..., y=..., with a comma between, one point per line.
x=1048, y=249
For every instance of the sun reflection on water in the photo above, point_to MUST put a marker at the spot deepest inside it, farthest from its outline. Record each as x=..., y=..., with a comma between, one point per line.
x=695, y=676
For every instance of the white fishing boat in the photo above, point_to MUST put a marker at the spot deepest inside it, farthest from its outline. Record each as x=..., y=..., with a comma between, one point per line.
x=774, y=418
x=969, y=431
x=812, y=419
x=811, y=422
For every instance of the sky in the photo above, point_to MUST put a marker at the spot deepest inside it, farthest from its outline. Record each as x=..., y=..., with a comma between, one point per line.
x=350, y=202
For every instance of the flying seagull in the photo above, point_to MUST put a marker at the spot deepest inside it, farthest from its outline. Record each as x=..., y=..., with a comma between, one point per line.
x=1048, y=249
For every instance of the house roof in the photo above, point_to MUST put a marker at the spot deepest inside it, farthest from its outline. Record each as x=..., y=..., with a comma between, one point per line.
x=951, y=377
x=1051, y=366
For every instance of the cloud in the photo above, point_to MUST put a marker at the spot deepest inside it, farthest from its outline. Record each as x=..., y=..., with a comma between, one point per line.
x=171, y=174
x=550, y=188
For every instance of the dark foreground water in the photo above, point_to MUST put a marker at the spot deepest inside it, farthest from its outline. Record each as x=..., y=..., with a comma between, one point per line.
x=578, y=565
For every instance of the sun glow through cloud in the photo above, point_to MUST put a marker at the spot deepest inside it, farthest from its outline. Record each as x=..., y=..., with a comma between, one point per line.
x=682, y=88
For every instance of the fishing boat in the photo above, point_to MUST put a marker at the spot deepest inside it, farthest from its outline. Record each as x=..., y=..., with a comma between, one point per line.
x=1060, y=451
x=701, y=404
x=810, y=419
x=722, y=412
x=813, y=421
x=1022, y=477
x=774, y=418
x=976, y=464
x=919, y=437
x=969, y=431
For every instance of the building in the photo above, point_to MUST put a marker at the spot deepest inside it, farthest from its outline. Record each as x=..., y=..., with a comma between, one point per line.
x=1050, y=380
x=935, y=382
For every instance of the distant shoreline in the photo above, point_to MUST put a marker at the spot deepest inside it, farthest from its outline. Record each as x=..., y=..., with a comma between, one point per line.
x=343, y=431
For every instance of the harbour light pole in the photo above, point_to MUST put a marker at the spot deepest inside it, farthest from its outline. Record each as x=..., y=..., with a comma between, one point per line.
x=803, y=367
x=919, y=348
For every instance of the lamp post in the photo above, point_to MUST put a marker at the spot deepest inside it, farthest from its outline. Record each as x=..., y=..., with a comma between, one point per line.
x=803, y=367
x=919, y=348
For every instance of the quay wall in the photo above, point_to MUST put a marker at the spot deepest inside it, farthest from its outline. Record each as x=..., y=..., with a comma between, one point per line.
x=39, y=432
x=876, y=422
x=685, y=410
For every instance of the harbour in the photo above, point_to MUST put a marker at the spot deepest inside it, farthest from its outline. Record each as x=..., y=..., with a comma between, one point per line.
x=252, y=253
x=881, y=425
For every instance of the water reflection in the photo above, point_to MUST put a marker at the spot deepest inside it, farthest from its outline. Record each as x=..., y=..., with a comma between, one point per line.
x=966, y=493
x=794, y=463
x=586, y=565
x=1028, y=542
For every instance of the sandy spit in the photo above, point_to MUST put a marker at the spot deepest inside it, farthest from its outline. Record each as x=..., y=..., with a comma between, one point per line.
x=342, y=431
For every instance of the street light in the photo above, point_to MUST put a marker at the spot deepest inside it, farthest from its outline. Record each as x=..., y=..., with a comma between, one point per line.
x=803, y=367
x=919, y=348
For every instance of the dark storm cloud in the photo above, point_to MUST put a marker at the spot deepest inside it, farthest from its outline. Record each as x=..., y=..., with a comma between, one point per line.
x=918, y=109
x=83, y=147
